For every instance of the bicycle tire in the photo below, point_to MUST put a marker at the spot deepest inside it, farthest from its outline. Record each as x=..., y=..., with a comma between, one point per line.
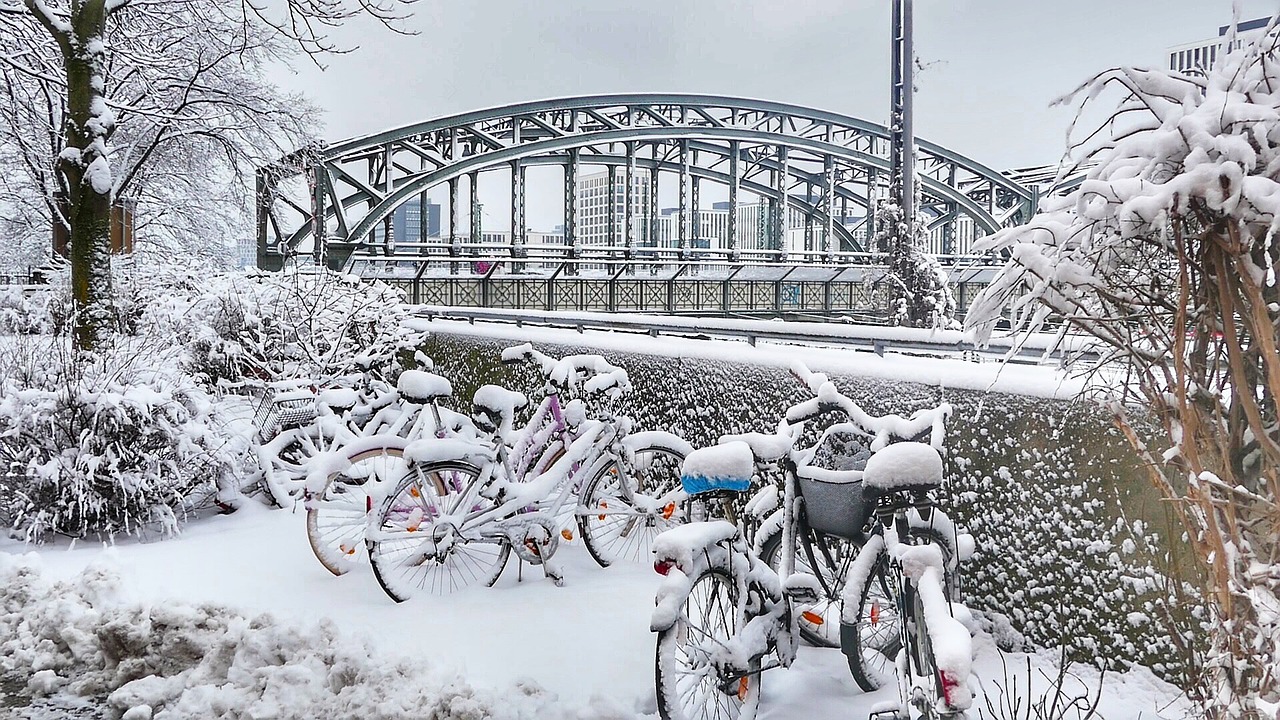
x=612, y=524
x=873, y=645
x=819, y=623
x=338, y=514
x=404, y=526
x=688, y=687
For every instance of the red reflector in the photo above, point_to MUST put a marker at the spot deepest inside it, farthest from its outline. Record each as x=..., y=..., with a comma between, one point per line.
x=662, y=567
x=950, y=686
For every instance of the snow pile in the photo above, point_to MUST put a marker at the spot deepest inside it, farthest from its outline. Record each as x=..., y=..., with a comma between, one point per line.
x=176, y=660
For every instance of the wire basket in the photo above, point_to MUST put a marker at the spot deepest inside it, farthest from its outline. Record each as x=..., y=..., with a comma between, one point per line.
x=283, y=409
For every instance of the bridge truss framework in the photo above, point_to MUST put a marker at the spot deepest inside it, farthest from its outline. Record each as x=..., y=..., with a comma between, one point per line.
x=823, y=165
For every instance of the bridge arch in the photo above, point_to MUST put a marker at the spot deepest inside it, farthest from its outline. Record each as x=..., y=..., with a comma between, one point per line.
x=801, y=158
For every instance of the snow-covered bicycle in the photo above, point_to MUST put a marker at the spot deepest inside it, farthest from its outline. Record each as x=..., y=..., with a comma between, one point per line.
x=343, y=484
x=461, y=506
x=723, y=614
x=899, y=619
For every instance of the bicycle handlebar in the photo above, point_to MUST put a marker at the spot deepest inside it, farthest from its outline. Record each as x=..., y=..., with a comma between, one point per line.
x=883, y=429
x=568, y=372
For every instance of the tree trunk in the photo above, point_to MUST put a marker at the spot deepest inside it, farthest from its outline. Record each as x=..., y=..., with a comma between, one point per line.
x=83, y=164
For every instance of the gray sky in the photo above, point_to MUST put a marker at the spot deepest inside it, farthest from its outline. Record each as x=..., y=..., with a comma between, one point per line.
x=994, y=66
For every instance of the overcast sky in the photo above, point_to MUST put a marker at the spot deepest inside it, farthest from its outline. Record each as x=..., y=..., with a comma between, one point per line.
x=993, y=66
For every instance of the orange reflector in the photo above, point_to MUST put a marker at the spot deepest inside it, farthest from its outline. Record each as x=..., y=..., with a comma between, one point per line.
x=875, y=613
x=812, y=617
x=413, y=490
x=413, y=527
x=567, y=534
x=743, y=686
x=668, y=511
x=603, y=506
x=352, y=551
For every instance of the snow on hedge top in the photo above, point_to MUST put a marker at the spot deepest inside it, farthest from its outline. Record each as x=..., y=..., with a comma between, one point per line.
x=903, y=465
x=1174, y=144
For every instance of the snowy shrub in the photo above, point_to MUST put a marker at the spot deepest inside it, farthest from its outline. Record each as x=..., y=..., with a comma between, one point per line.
x=269, y=326
x=1046, y=487
x=1165, y=257
x=112, y=444
x=27, y=314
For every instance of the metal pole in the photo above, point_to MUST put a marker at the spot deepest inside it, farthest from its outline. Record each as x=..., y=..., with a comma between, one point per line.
x=611, y=236
x=454, y=248
x=474, y=181
x=518, y=224
x=571, y=209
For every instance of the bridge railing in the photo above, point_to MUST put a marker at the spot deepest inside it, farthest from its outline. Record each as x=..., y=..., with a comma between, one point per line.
x=653, y=280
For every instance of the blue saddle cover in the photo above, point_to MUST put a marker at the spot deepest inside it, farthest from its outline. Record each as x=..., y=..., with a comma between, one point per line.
x=727, y=466
x=694, y=484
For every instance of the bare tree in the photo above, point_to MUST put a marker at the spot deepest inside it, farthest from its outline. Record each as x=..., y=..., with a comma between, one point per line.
x=105, y=46
x=1166, y=257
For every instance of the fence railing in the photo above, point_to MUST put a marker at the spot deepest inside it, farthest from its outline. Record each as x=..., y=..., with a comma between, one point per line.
x=660, y=284
x=1044, y=349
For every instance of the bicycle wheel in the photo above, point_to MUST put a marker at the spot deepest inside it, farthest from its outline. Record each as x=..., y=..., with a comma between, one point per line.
x=619, y=513
x=873, y=645
x=689, y=685
x=406, y=552
x=831, y=557
x=338, y=514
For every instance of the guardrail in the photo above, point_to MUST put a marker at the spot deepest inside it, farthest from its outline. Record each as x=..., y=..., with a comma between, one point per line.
x=1041, y=349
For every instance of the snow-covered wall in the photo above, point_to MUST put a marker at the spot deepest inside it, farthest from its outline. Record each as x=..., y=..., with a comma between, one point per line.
x=1047, y=487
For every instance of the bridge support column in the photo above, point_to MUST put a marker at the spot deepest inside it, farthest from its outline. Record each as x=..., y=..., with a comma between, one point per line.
x=518, y=224
x=682, y=233
x=829, y=207
x=455, y=245
x=782, y=220
x=654, y=237
x=629, y=208
x=571, y=210
x=612, y=234
x=695, y=203
x=735, y=183
x=473, y=179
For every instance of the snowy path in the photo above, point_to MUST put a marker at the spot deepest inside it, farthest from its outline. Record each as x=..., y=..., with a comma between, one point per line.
x=588, y=642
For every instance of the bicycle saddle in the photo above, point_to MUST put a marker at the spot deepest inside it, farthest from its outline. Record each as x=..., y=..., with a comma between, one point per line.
x=493, y=408
x=903, y=466
x=421, y=387
x=727, y=466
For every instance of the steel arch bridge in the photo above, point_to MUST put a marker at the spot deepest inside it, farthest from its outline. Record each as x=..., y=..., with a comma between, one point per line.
x=824, y=166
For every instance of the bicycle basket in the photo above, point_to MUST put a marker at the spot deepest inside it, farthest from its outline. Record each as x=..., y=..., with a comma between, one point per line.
x=835, y=501
x=281, y=410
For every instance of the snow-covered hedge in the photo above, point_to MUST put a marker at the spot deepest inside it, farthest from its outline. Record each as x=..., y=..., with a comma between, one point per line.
x=1048, y=488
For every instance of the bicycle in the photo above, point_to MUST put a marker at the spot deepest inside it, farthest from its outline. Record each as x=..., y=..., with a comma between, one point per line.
x=723, y=614
x=342, y=485
x=898, y=609
x=465, y=504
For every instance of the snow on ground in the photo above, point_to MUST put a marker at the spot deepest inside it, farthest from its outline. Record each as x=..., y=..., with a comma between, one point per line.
x=519, y=650
x=1032, y=380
